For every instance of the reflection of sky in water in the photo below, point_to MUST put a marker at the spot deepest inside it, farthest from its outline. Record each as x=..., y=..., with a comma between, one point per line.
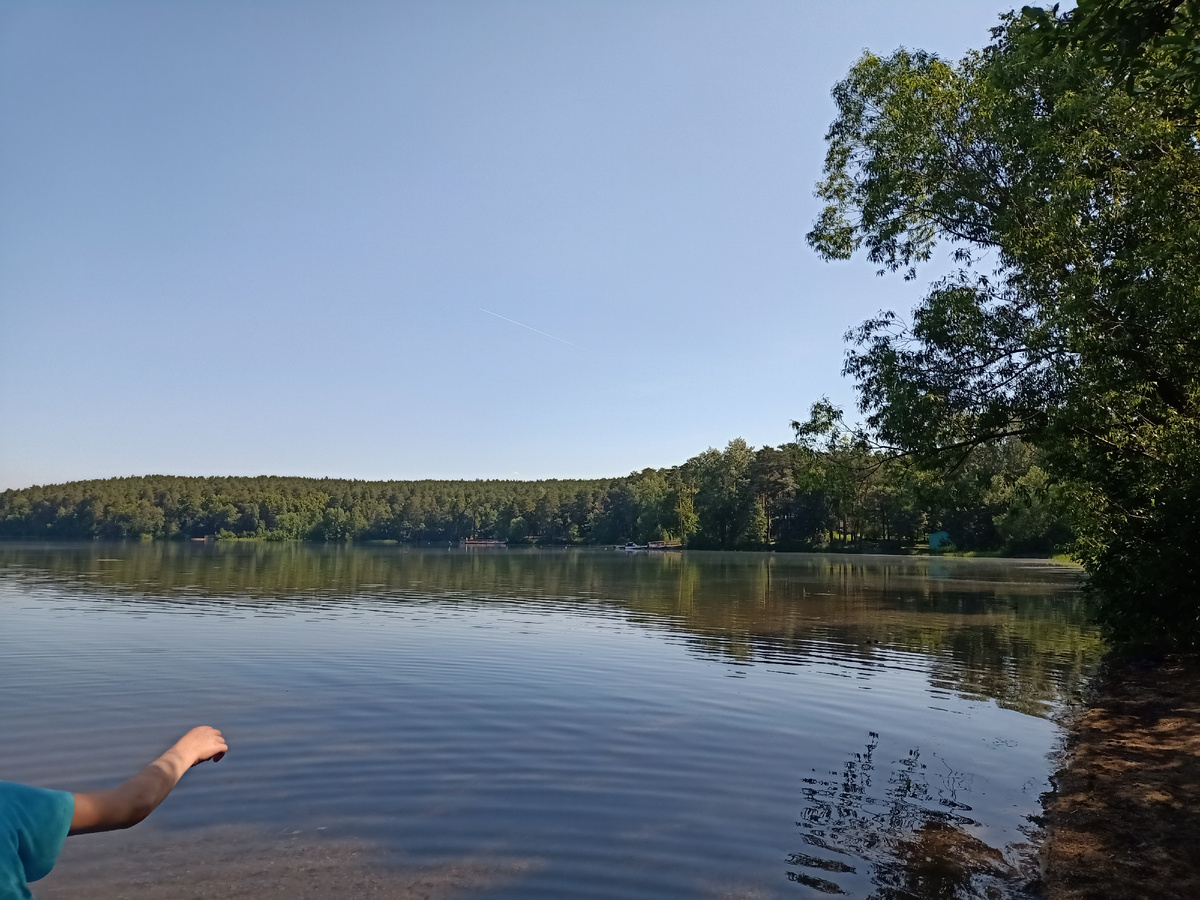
x=644, y=727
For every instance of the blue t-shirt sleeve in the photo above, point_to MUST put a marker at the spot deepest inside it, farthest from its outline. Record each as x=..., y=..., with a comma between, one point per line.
x=33, y=825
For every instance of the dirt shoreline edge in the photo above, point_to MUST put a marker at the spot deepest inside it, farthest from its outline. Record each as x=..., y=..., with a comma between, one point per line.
x=1124, y=818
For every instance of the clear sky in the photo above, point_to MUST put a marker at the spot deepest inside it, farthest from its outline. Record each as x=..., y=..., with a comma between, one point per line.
x=297, y=238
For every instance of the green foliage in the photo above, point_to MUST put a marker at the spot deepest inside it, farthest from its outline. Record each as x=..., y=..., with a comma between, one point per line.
x=1061, y=168
x=1036, y=511
x=724, y=501
x=817, y=493
x=274, y=508
x=517, y=531
x=1153, y=45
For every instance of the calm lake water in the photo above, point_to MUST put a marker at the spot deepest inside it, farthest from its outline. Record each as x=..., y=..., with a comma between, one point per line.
x=544, y=724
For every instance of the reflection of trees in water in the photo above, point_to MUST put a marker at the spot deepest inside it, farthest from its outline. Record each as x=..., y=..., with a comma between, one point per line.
x=991, y=629
x=987, y=630
x=912, y=833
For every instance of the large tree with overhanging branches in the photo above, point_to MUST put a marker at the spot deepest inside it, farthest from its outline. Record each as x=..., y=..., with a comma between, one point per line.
x=1057, y=174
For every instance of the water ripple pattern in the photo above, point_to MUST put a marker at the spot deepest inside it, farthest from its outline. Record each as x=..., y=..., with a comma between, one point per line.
x=622, y=726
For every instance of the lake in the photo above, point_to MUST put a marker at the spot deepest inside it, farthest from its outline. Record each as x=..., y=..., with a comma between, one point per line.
x=446, y=723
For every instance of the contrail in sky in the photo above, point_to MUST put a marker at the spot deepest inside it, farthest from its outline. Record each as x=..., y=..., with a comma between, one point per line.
x=530, y=327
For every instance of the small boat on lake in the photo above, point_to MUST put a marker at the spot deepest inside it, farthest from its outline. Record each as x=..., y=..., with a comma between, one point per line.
x=481, y=542
x=631, y=546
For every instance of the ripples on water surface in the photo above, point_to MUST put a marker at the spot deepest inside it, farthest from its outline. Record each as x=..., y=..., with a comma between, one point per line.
x=528, y=724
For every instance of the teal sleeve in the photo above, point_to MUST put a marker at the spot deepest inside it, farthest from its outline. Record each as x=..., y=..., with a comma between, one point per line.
x=33, y=825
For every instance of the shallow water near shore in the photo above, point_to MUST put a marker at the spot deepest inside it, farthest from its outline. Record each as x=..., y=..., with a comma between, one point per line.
x=537, y=724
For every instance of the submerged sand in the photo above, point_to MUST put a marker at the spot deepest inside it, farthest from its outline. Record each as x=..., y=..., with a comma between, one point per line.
x=240, y=862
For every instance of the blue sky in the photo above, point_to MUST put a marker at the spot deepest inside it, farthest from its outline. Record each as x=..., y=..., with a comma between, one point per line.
x=295, y=238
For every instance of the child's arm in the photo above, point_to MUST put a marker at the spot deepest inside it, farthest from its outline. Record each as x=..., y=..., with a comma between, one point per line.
x=130, y=802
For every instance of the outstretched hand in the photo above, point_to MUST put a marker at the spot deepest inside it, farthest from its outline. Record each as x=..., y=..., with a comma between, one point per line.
x=201, y=744
x=131, y=801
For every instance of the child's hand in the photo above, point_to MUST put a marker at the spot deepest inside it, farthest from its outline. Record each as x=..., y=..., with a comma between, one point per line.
x=202, y=744
x=130, y=802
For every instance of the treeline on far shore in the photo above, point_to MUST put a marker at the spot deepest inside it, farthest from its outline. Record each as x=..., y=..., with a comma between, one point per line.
x=792, y=497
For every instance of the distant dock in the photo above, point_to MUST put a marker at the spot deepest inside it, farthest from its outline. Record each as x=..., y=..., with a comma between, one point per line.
x=652, y=545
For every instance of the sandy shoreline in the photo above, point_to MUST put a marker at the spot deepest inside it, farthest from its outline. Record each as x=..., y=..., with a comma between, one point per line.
x=1124, y=821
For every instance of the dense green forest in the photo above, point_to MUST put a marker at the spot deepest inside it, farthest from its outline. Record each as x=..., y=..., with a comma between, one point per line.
x=796, y=496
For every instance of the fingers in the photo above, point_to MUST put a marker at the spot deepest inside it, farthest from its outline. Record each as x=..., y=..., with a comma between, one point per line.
x=204, y=743
x=215, y=746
